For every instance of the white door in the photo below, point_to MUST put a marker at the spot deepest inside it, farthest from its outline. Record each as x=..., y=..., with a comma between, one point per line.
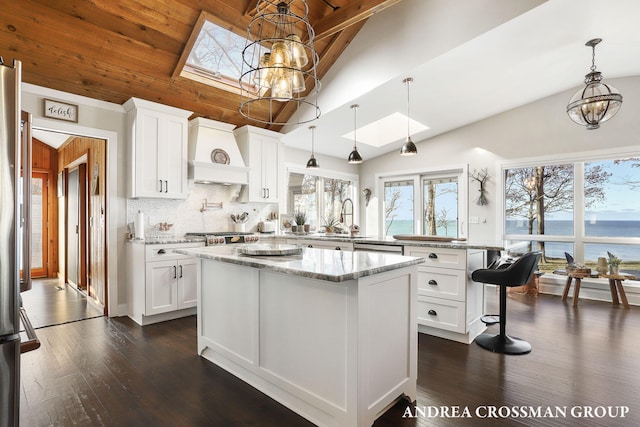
x=73, y=227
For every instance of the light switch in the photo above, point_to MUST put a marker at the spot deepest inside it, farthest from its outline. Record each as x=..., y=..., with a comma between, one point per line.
x=474, y=220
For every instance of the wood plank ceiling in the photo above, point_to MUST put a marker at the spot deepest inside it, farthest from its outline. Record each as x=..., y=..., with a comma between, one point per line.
x=113, y=50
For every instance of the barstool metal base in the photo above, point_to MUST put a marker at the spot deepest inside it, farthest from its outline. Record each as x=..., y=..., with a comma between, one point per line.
x=503, y=344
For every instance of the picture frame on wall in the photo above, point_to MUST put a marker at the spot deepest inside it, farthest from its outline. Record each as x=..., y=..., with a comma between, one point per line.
x=60, y=110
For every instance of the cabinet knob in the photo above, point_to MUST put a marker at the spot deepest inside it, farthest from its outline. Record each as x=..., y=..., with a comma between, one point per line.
x=432, y=313
x=433, y=282
x=433, y=256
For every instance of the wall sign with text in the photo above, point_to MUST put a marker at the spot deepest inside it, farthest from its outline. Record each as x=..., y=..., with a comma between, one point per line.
x=60, y=110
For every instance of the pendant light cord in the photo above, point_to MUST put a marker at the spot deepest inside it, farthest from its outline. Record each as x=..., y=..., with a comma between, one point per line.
x=312, y=140
x=355, y=139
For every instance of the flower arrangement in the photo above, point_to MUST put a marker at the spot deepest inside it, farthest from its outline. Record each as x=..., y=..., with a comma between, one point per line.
x=614, y=261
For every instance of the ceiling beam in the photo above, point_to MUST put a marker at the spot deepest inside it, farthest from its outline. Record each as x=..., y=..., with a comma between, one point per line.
x=345, y=16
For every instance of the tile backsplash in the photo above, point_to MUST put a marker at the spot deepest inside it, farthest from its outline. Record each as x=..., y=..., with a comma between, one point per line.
x=186, y=217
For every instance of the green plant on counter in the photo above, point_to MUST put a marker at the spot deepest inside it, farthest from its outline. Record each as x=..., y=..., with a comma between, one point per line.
x=329, y=223
x=614, y=261
x=300, y=218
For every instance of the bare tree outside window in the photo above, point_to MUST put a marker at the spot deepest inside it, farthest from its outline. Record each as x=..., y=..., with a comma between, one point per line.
x=534, y=194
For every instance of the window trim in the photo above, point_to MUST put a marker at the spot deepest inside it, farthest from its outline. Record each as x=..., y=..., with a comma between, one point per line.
x=461, y=171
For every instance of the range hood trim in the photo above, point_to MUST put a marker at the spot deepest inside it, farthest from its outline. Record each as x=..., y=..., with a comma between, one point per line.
x=212, y=173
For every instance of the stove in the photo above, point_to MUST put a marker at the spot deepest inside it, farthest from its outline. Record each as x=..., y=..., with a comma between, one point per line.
x=226, y=237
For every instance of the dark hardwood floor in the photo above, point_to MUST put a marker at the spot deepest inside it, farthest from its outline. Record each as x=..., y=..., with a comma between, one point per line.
x=52, y=302
x=111, y=372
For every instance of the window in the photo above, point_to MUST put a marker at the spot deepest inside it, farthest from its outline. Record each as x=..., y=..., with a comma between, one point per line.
x=213, y=55
x=321, y=197
x=426, y=204
x=584, y=208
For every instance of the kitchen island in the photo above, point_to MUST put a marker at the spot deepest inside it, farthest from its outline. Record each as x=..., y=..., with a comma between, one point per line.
x=332, y=335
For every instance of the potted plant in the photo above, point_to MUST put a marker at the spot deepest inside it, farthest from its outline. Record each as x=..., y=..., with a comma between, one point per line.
x=614, y=263
x=330, y=222
x=300, y=218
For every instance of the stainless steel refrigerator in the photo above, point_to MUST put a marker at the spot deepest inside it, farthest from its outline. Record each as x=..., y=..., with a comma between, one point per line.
x=15, y=235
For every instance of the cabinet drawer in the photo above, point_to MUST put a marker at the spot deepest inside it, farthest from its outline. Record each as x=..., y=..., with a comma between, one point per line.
x=441, y=314
x=442, y=283
x=165, y=252
x=439, y=257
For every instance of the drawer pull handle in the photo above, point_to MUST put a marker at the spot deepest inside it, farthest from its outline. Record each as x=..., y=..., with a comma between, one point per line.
x=161, y=252
x=432, y=313
x=433, y=256
x=338, y=248
x=309, y=246
x=433, y=282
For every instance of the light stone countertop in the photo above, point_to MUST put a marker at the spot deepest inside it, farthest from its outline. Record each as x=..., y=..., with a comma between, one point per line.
x=387, y=241
x=167, y=240
x=321, y=264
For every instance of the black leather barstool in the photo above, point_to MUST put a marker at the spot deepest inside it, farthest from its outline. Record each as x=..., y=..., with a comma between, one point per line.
x=516, y=274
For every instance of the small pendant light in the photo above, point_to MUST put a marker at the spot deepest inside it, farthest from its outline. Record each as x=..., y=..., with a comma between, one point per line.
x=408, y=148
x=312, y=163
x=354, y=156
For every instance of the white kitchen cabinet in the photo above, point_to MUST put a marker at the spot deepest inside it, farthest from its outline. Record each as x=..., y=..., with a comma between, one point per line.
x=450, y=304
x=262, y=152
x=158, y=150
x=162, y=285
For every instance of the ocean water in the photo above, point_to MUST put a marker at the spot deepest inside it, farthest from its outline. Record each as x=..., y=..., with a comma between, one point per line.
x=406, y=227
x=628, y=253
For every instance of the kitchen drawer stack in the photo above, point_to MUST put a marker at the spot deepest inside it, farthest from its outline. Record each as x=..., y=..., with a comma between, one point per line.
x=450, y=304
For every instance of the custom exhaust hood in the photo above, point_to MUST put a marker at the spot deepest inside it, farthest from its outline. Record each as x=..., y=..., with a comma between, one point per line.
x=214, y=157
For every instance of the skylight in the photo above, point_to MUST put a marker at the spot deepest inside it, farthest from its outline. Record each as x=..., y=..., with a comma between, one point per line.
x=388, y=129
x=215, y=57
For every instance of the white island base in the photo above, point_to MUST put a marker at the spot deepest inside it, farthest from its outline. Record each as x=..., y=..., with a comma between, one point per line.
x=337, y=353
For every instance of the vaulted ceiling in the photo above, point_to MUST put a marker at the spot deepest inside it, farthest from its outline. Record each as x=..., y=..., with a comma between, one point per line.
x=113, y=50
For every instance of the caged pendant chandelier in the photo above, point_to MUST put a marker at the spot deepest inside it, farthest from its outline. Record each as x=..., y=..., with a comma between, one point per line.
x=354, y=156
x=279, y=63
x=596, y=102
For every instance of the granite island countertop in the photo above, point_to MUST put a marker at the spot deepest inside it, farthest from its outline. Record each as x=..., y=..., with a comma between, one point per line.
x=372, y=240
x=166, y=240
x=321, y=264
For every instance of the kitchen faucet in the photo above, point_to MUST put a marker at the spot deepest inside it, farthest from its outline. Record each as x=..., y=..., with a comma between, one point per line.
x=343, y=213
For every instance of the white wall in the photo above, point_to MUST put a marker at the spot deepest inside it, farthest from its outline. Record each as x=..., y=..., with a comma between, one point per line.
x=538, y=129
